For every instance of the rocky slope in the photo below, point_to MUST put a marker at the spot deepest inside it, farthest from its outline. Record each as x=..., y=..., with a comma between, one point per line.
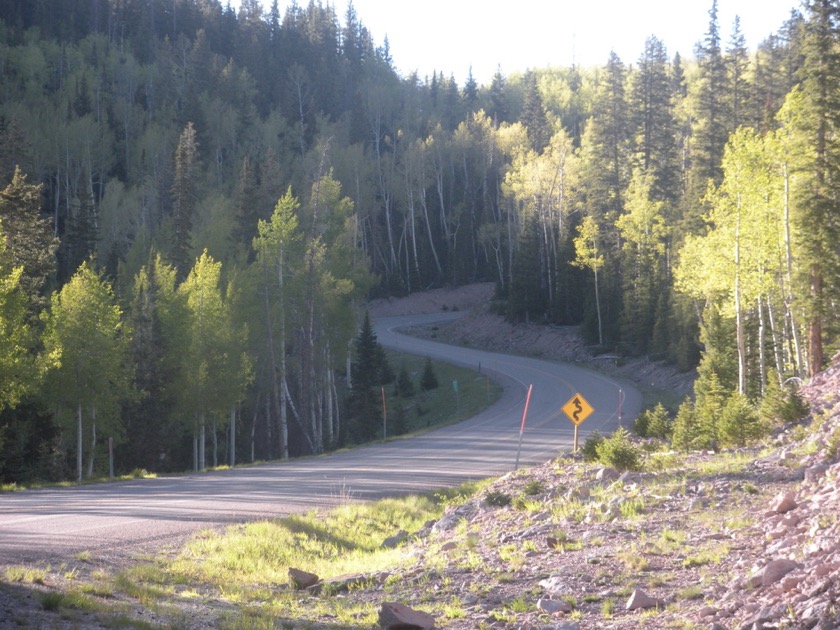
x=743, y=540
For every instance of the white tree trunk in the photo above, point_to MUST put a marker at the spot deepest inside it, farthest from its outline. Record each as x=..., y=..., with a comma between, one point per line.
x=92, y=443
x=232, y=460
x=79, y=440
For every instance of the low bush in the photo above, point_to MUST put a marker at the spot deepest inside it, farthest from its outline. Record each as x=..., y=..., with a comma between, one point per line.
x=590, y=446
x=619, y=452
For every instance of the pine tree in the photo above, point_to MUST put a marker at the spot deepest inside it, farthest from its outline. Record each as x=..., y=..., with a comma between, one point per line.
x=497, y=108
x=651, y=101
x=29, y=239
x=818, y=214
x=405, y=388
x=737, y=65
x=80, y=239
x=184, y=200
x=369, y=369
x=429, y=380
x=247, y=210
x=533, y=115
x=470, y=93
x=711, y=113
x=153, y=435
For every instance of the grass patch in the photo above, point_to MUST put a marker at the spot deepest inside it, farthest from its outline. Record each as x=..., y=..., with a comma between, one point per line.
x=634, y=560
x=345, y=540
x=25, y=575
x=690, y=593
x=445, y=404
x=73, y=600
x=704, y=557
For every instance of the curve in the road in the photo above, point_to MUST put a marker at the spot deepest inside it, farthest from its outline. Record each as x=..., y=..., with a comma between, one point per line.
x=115, y=520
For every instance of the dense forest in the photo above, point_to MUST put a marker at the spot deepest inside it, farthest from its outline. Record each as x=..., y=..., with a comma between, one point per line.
x=197, y=202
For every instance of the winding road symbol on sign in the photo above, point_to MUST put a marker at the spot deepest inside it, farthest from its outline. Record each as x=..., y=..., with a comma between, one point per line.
x=577, y=409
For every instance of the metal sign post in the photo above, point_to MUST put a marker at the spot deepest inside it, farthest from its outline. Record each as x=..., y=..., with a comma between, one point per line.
x=578, y=410
x=384, y=416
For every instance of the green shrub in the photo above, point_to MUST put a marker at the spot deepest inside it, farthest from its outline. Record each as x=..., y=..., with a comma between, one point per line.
x=781, y=404
x=660, y=424
x=405, y=388
x=429, y=379
x=590, y=446
x=619, y=452
x=640, y=426
x=739, y=423
x=685, y=427
x=654, y=423
x=496, y=498
x=534, y=486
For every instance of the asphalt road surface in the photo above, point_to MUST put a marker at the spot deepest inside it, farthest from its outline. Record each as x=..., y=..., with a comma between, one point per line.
x=115, y=521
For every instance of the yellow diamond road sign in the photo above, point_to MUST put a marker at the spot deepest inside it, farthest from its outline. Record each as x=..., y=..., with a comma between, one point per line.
x=577, y=409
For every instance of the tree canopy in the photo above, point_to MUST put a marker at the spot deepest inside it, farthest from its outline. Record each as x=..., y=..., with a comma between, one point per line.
x=216, y=193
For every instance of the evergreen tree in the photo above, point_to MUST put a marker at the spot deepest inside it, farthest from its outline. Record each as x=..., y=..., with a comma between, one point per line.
x=370, y=370
x=526, y=298
x=712, y=118
x=739, y=423
x=533, y=115
x=429, y=380
x=184, y=200
x=818, y=214
x=651, y=101
x=470, y=92
x=497, y=107
x=737, y=65
x=29, y=239
x=247, y=209
x=405, y=388
x=81, y=235
x=153, y=434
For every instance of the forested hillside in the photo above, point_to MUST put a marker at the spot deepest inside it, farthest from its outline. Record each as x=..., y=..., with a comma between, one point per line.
x=196, y=204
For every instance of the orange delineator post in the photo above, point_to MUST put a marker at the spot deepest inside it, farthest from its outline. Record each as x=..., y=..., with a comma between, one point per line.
x=522, y=426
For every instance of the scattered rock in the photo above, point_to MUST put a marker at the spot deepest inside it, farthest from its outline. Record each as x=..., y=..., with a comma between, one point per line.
x=607, y=474
x=554, y=585
x=395, y=616
x=772, y=572
x=554, y=606
x=640, y=600
x=784, y=502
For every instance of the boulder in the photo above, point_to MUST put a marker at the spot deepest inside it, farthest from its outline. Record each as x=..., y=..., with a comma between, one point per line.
x=554, y=606
x=640, y=600
x=784, y=502
x=554, y=585
x=301, y=580
x=395, y=616
x=772, y=572
x=607, y=474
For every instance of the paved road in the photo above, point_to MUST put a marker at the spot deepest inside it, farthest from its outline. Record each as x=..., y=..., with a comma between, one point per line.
x=116, y=520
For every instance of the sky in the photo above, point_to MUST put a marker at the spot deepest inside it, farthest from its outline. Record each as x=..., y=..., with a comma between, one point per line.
x=455, y=35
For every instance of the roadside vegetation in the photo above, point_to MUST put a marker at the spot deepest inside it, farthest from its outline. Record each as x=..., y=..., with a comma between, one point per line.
x=239, y=577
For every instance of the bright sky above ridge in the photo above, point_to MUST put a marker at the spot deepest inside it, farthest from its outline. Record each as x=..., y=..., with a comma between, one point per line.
x=452, y=35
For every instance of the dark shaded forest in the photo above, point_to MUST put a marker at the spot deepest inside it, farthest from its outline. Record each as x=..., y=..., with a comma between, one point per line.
x=196, y=204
